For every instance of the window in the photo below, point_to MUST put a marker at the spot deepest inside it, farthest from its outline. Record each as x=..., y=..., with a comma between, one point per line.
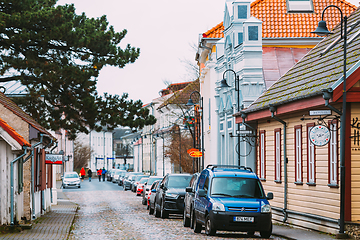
x=253, y=33
x=300, y=6
x=333, y=154
x=298, y=154
x=262, y=155
x=242, y=12
x=221, y=126
x=229, y=124
x=277, y=134
x=310, y=157
x=240, y=38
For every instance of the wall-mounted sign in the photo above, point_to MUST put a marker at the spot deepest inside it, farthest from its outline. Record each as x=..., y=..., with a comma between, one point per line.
x=54, y=158
x=319, y=112
x=196, y=154
x=319, y=135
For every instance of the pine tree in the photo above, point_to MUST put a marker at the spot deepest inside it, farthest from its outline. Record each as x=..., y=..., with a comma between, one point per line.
x=57, y=55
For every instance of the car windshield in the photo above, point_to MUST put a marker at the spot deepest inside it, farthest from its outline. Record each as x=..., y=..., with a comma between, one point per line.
x=71, y=175
x=143, y=180
x=137, y=178
x=236, y=187
x=179, y=181
x=152, y=180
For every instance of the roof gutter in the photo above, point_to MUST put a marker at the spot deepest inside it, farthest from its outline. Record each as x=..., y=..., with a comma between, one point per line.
x=273, y=110
x=12, y=193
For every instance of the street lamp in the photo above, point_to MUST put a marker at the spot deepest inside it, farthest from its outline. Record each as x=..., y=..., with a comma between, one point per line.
x=191, y=103
x=223, y=84
x=322, y=30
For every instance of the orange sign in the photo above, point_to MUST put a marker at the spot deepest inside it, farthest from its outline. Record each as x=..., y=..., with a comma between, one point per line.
x=196, y=154
x=192, y=150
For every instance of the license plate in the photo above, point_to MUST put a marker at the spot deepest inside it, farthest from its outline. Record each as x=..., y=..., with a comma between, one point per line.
x=243, y=219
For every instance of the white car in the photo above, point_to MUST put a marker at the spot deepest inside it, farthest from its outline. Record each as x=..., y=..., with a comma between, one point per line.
x=116, y=172
x=71, y=179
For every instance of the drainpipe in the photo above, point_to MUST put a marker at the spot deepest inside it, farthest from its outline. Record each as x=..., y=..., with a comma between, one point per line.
x=12, y=185
x=32, y=176
x=273, y=110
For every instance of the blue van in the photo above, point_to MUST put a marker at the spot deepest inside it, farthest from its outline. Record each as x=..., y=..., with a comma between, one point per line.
x=231, y=198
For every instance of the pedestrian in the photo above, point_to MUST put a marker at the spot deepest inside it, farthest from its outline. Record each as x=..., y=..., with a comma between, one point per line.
x=103, y=172
x=89, y=174
x=82, y=173
x=99, y=174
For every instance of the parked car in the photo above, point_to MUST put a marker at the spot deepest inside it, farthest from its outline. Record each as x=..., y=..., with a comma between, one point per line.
x=170, y=196
x=137, y=181
x=122, y=176
x=71, y=179
x=116, y=174
x=140, y=185
x=151, y=196
x=147, y=187
x=128, y=180
x=108, y=174
x=189, y=200
x=231, y=199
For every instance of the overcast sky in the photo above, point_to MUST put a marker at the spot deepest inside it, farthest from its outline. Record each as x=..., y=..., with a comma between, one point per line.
x=164, y=30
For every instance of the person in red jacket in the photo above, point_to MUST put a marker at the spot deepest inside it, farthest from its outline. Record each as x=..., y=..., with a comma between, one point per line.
x=99, y=174
x=82, y=173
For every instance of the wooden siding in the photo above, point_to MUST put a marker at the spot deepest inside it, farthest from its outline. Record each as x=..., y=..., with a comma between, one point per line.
x=319, y=199
x=355, y=163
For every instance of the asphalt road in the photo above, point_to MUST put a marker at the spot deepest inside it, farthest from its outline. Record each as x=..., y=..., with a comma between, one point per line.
x=108, y=212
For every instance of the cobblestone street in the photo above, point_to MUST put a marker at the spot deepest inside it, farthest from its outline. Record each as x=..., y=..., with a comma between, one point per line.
x=116, y=214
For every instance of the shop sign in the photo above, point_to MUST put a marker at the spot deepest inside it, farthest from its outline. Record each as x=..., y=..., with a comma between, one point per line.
x=54, y=158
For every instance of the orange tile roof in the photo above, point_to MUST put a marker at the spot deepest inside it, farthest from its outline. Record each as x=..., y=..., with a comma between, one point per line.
x=13, y=133
x=278, y=23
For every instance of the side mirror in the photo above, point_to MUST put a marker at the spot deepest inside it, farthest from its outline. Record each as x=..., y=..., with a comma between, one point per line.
x=162, y=186
x=202, y=193
x=188, y=189
x=270, y=196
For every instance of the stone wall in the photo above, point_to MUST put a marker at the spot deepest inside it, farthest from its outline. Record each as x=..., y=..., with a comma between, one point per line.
x=353, y=230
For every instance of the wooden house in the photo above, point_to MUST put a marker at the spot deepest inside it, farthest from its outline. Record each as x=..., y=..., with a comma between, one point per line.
x=303, y=175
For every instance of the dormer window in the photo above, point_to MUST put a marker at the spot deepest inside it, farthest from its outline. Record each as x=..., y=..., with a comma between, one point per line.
x=242, y=12
x=253, y=33
x=299, y=6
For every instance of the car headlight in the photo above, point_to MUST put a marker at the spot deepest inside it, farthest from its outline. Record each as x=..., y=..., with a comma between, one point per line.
x=77, y=181
x=265, y=208
x=172, y=195
x=218, y=207
x=66, y=182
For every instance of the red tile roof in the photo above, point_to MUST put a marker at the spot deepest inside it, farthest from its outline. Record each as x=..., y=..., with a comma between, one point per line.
x=278, y=23
x=13, y=133
x=7, y=103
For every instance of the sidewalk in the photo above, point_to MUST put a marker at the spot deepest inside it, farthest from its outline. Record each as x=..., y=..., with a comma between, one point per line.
x=53, y=225
x=57, y=224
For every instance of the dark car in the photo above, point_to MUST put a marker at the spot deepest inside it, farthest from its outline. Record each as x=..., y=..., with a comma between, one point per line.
x=147, y=187
x=189, y=200
x=136, y=182
x=170, y=194
x=231, y=198
x=151, y=197
x=127, y=183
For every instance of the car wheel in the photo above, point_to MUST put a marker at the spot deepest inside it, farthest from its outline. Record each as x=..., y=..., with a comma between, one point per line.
x=125, y=188
x=164, y=213
x=209, y=228
x=79, y=186
x=197, y=226
x=156, y=211
x=186, y=219
x=63, y=187
x=143, y=201
x=191, y=219
x=151, y=211
x=250, y=233
x=266, y=234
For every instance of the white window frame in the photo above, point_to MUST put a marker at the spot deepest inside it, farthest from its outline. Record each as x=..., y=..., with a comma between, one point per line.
x=333, y=153
x=262, y=155
x=277, y=136
x=298, y=154
x=311, y=168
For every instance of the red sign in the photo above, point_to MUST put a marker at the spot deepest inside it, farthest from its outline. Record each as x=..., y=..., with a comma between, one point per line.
x=54, y=159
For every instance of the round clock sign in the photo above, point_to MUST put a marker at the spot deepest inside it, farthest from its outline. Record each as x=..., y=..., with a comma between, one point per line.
x=319, y=135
